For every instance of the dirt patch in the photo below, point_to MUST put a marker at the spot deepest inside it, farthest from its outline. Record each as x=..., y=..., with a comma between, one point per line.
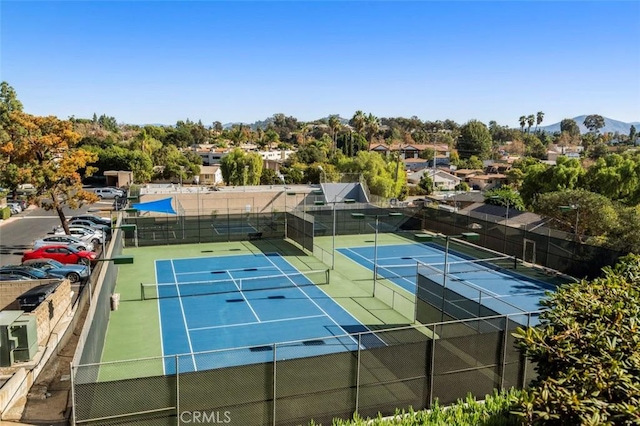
x=49, y=399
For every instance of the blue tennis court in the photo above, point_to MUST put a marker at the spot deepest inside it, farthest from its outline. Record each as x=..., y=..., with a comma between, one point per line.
x=501, y=290
x=246, y=302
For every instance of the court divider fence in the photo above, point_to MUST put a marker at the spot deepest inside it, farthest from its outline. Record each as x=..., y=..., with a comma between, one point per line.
x=291, y=383
x=92, y=336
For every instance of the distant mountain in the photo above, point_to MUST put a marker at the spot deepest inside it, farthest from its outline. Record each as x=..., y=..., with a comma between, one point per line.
x=610, y=126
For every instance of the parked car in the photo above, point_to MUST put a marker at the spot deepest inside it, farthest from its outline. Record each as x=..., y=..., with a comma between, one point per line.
x=14, y=207
x=93, y=218
x=61, y=253
x=109, y=193
x=74, y=273
x=86, y=223
x=22, y=203
x=26, y=188
x=54, y=240
x=95, y=236
x=12, y=277
x=30, y=272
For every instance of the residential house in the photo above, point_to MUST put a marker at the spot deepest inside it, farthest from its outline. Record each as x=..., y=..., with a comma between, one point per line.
x=485, y=182
x=443, y=180
x=209, y=175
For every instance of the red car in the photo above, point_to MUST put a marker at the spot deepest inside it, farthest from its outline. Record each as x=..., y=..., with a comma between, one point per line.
x=61, y=253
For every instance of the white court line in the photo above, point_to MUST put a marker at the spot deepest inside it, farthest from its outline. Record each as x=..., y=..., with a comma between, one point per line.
x=416, y=258
x=253, y=323
x=243, y=297
x=399, y=276
x=184, y=318
x=155, y=274
x=207, y=271
x=313, y=301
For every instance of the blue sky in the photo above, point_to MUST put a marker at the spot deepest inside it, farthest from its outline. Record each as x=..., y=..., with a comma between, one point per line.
x=159, y=62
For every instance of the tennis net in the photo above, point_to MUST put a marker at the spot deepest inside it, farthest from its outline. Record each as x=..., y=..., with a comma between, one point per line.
x=234, y=285
x=410, y=270
x=497, y=264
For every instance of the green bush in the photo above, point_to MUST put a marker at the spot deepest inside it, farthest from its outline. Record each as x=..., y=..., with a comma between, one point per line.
x=5, y=213
x=587, y=350
x=494, y=411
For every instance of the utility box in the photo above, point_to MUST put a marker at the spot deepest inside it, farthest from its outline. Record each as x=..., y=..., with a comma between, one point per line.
x=18, y=337
x=25, y=330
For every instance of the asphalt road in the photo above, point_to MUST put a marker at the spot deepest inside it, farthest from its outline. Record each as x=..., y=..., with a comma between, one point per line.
x=18, y=233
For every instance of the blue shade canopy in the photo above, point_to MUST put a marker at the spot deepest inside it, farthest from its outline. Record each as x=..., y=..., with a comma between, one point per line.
x=157, y=206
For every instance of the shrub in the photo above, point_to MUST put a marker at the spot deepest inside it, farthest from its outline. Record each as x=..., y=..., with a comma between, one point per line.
x=587, y=350
x=494, y=411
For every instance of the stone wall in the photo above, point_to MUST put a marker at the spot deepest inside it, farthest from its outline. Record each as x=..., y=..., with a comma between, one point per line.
x=11, y=290
x=56, y=306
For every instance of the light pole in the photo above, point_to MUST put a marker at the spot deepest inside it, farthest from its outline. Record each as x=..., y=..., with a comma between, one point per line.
x=375, y=241
x=244, y=178
x=506, y=220
x=468, y=236
x=575, y=207
x=333, y=213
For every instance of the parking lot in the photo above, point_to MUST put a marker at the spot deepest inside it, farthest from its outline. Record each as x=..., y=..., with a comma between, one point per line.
x=18, y=233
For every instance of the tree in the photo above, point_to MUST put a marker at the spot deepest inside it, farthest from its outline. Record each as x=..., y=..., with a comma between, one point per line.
x=523, y=121
x=43, y=152
x=530, y=120
x=474, y=139
x=334, y=125
x=587, y=352
x=594, y=122
x=632, y=134
x=504, y=196
x=539, y=119
x=534, y=147
x=269, y=177
x=595, y=214
x=372, y=127
x=358, y=122
x=570, y=126
x=426, y=184
x=240, y=168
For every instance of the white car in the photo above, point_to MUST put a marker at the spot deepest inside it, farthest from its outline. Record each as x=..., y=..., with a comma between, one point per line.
x=14, y=207
x=67, y=240
x=88, y=224
x=109, y=193
x=84, y=233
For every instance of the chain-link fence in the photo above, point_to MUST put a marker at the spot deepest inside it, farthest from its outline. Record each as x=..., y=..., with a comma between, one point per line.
x=533, y=243
x=291, y=383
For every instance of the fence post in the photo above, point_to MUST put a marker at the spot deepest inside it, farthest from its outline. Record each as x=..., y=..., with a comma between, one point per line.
x=432, y=366
x=505, y=333
x=275, y=346
x=177, y=389
x=358, y=374
x=73, y=394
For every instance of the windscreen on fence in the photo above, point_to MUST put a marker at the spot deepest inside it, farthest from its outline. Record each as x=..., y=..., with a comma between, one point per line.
x=92, y=340
x=534, y=244
x=300, y=229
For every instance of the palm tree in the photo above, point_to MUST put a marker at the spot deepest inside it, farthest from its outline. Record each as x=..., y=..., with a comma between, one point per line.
x=358, y=121
x=334, y=125
x=372, y=126
x=523, y=121
x=530, y=120
x=539, y=118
